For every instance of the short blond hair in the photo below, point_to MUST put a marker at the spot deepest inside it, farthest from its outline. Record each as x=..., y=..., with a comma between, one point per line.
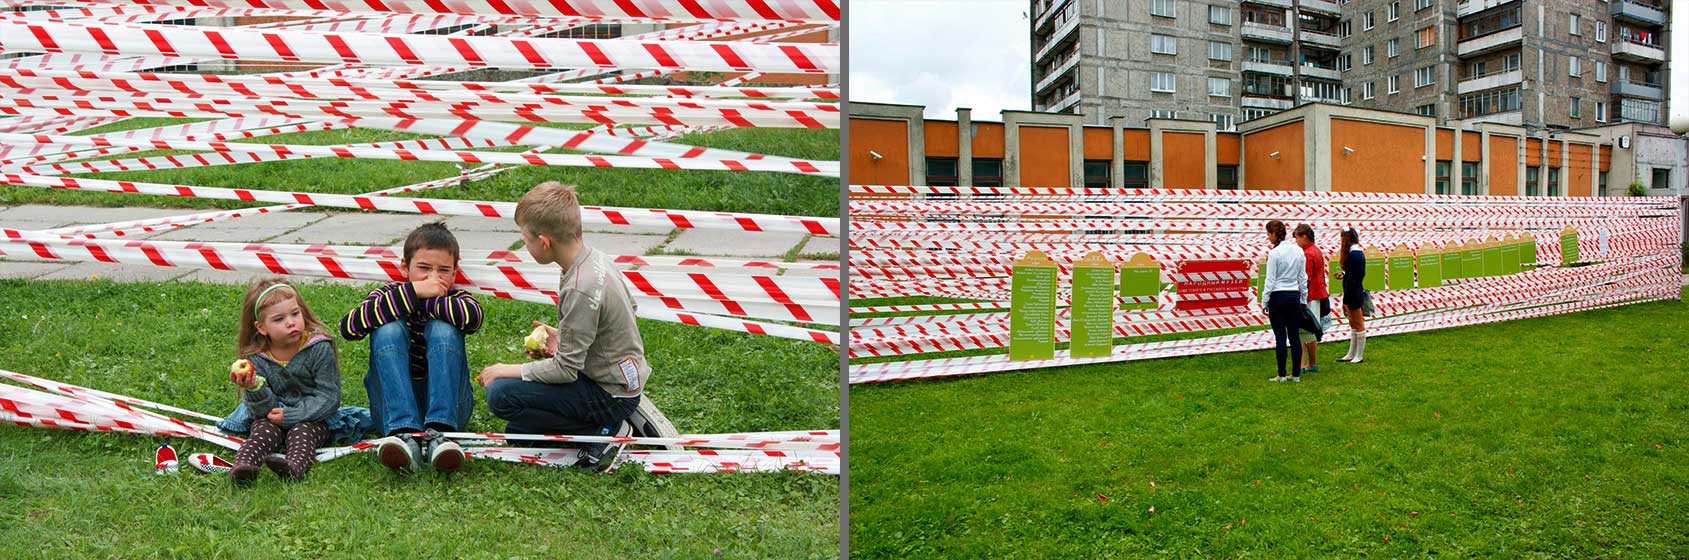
x=550, y=208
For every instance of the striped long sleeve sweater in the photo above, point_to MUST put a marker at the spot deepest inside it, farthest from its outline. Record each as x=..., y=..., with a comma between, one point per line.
x=398, y=300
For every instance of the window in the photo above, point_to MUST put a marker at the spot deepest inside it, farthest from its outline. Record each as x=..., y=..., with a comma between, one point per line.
x=988, y=172
x=1343, y=29
x=1600, y=71
x=1161, y=82
x=1469, y=177
x=1428, y=109
x=1393, y=84
x=1624, y=73
x=1163, y=8
x=1443, y=176
x=1489, y=102
x=1603, y=186
x=1266, y=85
x=1366, y=55
x=1533, y=175
x=1366, y=90
x=1575, y=109
x=1366, y=21
x=1225, y=177
x=1393, y=48
x=1574, y=24
x=1662, y=178
x=1574, y=67
x=1427, y=37
x=1260, y=54
x=1424, y=76
x=1163, y=44
x=1219, y=87
x=1264, y=16
x=1135, y=175
x=1096, y=173
x=941, y=171
x=1344, y=61
x=1219, y=51
x=1510, y=63
x=1252, y=114
x=1421, y=4
x=1600, y=31
x=1600, y=111
x=1395, y=11
x=1224, y=121
x=1553, y=181
x=1219, y=15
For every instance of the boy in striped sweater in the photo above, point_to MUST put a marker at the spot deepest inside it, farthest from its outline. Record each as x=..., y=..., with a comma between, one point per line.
x=418, y=374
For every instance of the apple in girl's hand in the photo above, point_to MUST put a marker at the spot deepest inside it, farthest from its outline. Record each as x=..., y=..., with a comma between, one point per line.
x=535, y=342
x=240, y=372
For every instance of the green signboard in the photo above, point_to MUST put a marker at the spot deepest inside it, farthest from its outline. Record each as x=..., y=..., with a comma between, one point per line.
x=1452, y=262
x=1334, y=284
x=1492, y=258
x=1510, y=257
x=1472, y=258
x=1568, y=246
x=1430, y=269
x=1032, y=308
x=1140, y=282
x=1401, y=272
x=1374, y=281
x=1093, y=307
x=1528, y=254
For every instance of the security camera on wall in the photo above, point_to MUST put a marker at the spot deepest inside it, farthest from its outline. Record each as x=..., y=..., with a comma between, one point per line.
x=1680, y=124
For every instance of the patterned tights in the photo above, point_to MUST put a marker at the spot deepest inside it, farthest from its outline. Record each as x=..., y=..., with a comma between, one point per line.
x=301, y=442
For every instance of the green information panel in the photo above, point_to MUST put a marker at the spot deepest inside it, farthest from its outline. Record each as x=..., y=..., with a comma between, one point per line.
x=1374, y=281
x=1510, y=257
x=1472, y=260
x=1568, y=246
x=1032, y=308
x=1140, y=282
x=1259, y=279
x=1528, y=255
x=1430, y=268
x=1492, y=258
x=1401, y=271
x=1452, y=261
x=1333, y=284
x=1093, y=307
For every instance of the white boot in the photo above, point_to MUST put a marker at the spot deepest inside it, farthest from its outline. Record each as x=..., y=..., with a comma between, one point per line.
x=1350, y=355
x=1360, y=349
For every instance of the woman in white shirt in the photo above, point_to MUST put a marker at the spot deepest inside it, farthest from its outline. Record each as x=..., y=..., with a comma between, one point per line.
x=1284, y=292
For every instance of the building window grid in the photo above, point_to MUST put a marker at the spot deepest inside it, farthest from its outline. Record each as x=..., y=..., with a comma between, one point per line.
x=1574, y=108
x=1424, y=76
x=1366, y=90
x=1219, y=87
x=1219, y=15
x=1366, y=55
x=1163, y=8
x=1574, y=67
x=1574, y=25
x=1600, y=112
x=1395, y=11
x=1162, y=82
x=1600, y=71
x=1393, y=48
x=1163, y=44
x=1393, y=85
x=1492, y=23
x=1489, y=102
x=1219, y=51
x=1426, y=37
x=1600, y=31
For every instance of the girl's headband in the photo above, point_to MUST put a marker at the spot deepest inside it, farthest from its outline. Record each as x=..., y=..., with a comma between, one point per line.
x=257, y=302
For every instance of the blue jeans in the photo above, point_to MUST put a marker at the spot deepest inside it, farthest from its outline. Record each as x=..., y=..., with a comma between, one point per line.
x=579, y=407
x=442, y=400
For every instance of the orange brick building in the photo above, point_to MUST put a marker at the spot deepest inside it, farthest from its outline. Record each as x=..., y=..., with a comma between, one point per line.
x=1315, y=147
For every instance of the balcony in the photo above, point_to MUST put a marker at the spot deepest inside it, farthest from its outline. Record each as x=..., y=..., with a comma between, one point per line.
x=1258, y=102
x=1514, y=118
x=1489, y=81
x=1469, y=7
x=1325, y=6
x=1483, y=44
x=1047, y=13
x=1062, y=69
x=1056, y=39
x=1319, y=39
x=1625, y=49
x=1065, y=103
x=1277, y=67
x=1267, y=33
x=1638, y=89
x=1279, y=3
x=1638, y=12
x=1334, y=100
x=1321, y=72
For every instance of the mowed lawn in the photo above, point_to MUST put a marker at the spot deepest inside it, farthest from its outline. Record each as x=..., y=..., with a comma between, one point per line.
x=1559, y=437
x=725, y=191
x=75, y=495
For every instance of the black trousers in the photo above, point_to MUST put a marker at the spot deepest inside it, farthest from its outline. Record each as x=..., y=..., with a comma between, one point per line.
x=1284, y=310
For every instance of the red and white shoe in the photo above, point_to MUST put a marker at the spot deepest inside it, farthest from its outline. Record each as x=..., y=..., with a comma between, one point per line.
x=164, y=460
x=209, y=464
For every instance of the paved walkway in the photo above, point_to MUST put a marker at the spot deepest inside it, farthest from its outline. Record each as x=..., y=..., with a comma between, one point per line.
x=356, y=228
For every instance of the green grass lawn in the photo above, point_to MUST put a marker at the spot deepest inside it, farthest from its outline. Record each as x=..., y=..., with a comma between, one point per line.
x=757, y=192
x=1560, y=437
x=67, y=494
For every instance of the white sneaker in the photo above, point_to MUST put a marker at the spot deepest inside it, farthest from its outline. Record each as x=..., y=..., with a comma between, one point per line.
x=400, y=453
x=444, y=454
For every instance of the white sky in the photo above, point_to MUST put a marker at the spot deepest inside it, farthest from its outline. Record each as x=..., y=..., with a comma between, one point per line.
x=942, y=54
x=1677, y=59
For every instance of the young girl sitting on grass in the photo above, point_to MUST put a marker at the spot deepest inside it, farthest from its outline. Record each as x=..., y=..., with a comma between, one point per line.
x=289, y=374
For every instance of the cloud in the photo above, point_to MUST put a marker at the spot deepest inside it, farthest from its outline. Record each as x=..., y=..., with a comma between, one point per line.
x=942, y=54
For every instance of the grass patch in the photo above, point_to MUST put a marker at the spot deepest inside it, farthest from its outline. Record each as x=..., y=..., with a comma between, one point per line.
x=726, y=191
x=93, y=495
x=1554, y=437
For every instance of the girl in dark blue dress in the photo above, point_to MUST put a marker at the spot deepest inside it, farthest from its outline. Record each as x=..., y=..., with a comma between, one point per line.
x=1354, y=273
